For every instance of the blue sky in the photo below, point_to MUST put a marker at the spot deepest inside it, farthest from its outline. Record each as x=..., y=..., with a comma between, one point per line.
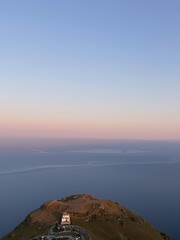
x=107, y=69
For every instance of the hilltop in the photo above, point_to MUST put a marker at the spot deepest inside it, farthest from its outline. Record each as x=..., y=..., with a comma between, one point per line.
x=103, y=219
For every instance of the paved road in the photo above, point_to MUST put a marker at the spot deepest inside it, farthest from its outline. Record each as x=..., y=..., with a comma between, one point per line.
x=84, y=233
x=68, y=231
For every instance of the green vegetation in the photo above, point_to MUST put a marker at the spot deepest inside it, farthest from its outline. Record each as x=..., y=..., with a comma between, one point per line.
x=25, y=231
x=103, y=219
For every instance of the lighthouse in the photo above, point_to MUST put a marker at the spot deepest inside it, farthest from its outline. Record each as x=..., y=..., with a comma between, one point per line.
x=65, y=220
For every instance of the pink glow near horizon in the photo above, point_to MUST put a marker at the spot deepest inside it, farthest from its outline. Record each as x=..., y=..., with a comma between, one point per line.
x=89, y=129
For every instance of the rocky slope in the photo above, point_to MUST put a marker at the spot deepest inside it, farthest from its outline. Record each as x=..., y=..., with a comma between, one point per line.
x=104, y=219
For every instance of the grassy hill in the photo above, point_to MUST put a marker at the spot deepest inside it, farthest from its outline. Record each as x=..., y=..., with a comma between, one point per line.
x=104, y=219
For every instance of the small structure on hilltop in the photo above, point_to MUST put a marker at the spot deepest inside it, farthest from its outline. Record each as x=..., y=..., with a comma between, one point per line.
x=65, y=220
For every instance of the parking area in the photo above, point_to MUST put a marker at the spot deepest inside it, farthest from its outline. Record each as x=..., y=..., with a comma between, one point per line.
x=65, y=232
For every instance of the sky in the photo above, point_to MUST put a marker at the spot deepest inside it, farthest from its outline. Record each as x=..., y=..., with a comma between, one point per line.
x=90, y=69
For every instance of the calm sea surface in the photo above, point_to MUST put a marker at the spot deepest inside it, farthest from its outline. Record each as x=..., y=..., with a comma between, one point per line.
x=141, y=175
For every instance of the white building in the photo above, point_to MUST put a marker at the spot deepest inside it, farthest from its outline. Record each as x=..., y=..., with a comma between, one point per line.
x=65, y=219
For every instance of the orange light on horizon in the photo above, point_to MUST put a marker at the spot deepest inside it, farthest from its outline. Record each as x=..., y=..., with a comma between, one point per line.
x=89, y=129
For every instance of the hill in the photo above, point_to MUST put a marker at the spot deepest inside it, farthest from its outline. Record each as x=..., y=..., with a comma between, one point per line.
x=103, y=219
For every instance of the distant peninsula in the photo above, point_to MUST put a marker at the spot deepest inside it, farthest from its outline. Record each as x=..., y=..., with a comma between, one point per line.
x=83, y=217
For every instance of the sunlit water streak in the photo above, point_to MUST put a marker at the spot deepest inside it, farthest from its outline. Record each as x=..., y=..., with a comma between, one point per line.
x=87, y=165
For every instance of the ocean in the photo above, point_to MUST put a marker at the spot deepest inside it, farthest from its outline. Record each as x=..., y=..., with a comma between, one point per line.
x=143, y=176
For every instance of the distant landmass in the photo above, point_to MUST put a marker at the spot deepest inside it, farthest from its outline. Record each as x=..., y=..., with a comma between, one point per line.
x=84, y=217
